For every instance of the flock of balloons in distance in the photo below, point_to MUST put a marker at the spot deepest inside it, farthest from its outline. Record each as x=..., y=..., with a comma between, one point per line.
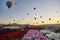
x=10, y=4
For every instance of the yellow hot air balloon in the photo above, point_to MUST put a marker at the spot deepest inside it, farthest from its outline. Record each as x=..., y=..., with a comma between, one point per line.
x=9, y=4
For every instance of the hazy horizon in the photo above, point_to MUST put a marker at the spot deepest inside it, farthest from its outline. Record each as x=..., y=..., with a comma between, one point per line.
x=18, y=12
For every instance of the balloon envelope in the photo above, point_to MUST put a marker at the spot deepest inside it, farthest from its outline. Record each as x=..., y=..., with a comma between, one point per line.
x=56, y=11
x=9, y=4
x=49, y=18
x=42, y=21
x=14, y=20
x=35, y=18
x=36, y=22
x=23, y=18
x=34, y=8
x=27, y=13
x=15, y=3
x=57, y=21
x=40, y=16
x=18, y=21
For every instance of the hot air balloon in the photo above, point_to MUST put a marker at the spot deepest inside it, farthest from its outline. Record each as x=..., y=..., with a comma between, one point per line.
x=36, y=22
x=42, y=21
x=23, y=18
x=33, y=23
x=18, y=21
x=49, y=18
x=57, y=21
x=27, y=13
x=34, y=8
x=14, y=20
x=56, y=11
x=40, y=16
x=15, y=3
x=35, y=18
x=9, y=4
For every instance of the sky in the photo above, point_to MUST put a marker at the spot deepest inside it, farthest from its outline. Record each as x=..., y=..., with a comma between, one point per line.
x=18, y=12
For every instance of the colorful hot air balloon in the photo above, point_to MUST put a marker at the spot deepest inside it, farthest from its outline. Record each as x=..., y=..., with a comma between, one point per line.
x=9, y=4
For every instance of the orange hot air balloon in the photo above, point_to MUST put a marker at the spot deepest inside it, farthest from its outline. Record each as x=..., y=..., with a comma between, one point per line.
x=9, y=4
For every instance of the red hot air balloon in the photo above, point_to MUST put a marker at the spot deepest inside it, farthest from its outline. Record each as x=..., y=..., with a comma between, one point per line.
x=9, y=4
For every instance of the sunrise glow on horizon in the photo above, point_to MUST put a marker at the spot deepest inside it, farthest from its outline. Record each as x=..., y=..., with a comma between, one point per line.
x=45, y=8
